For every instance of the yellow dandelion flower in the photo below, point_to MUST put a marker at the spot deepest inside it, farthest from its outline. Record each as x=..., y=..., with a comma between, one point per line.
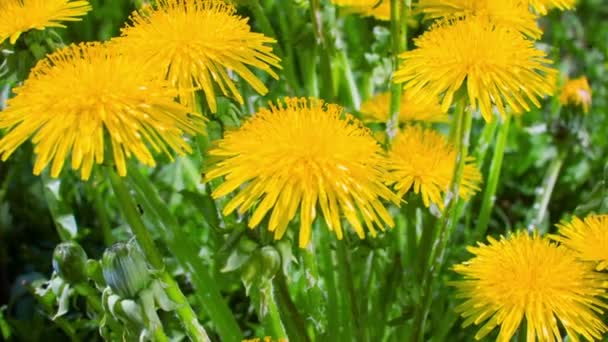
x=588, y=238
x=19, y=16
x=500, y=66
x=576, y=92
x=423, y=160
x=197, y=43
x=529, y=276
x=298, y=154
x=542, y=7
x=514, y=14
x=379, y=9
x=425, y=109
x=79, y=94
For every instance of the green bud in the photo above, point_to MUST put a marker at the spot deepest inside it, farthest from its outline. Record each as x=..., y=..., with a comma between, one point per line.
x=125, y=270
x=270, y=261
x=69, y=261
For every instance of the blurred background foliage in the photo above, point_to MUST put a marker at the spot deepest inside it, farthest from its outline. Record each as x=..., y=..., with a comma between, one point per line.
x=36, y=211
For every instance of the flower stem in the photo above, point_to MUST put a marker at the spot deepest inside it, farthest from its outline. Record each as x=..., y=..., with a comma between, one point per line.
x=399, y=35
x=350, y=300
x=546, y=191
x=185, y=251
x=492, y=183
x=294, y=323
x=326, y=67
x=447, y=222
x=276, y=323
x=184, y=311
x=335, y=326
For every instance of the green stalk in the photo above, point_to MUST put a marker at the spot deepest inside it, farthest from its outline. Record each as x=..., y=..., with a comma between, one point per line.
x=335, y=326
x=326, y=67
x=102, y=216
x=492, y=183
x=185, y=251
x=315, y=296
x=542, y=200
x=184, y=311
x=294, y=323
x=347, y=283
x=276, y=323
x=448, y=221
x=399, y=35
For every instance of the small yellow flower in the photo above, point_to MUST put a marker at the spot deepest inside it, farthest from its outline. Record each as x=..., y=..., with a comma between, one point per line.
x=379, y=9
x=588, y=238
x=423, y=160
x=298, y=154
x=19, y=16
x=196, y=43
x=83, y=93
x=576, y=92
x=513, y=14
x=543, y=6
x=424, y=109
x=499, y=66
x=529, y=276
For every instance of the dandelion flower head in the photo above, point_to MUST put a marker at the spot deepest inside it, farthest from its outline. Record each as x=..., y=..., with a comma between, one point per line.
x=379, y=9
x=78, y=95
x=588, y=238
x=423, y=160
x=576, y=92
x=423, y=109
x=196, y=43
x=19, y=16
x=529, y=276
x=499, y=66
x=297, y=154
x=514, y=14
x=542, y=7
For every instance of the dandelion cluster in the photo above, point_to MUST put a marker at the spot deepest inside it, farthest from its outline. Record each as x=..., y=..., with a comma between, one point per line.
x=529, y=277
x=499, y=66
x=77, y=95
x=423, y=160
x=196, y=43
x=301, y=153
x=19, y=16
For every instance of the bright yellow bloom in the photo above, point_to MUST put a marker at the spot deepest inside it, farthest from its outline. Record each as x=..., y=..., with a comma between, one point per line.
x=380, y=9
x=412, y=109
x=79, y=94
x=528, y=276
x=19, y=16
x=513, y=14
x=196, y=43
x=423, y=159
x=499, y=66
x=300, y=153
x=588, y=238
x=543, y=6
x=576, y=92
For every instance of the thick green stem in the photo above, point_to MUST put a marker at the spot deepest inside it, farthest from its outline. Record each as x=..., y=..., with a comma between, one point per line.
x=489, y=193
x=274, y=316
x=184, y=311
x=350, y=300
x=313, y=281
x=328, y=92
x=102, y=216
x=399, y=35
x=447, y=222
x=185, y=251
x=335, y=326
x=542, y=200
x=294, y=323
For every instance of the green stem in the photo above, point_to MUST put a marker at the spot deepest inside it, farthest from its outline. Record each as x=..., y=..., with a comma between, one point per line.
x=326, y=67
x=492, y=183
x=350, y=300
x=399, y=34
x=542, y=201
x=315, y=296
x=102, y=216
x=294, y=323
x=335, y=327
x=185, y=251
x=278, y=330
x=184, y=311
x=447, y=222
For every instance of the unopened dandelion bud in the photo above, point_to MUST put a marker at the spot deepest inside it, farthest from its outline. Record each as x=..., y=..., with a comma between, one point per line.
x=125, y=270
x=69, y=261
x=270, y=261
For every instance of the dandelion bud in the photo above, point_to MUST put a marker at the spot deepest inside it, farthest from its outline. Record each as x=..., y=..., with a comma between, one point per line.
x=69, y=261
x=270, y=261
x=125, y=270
